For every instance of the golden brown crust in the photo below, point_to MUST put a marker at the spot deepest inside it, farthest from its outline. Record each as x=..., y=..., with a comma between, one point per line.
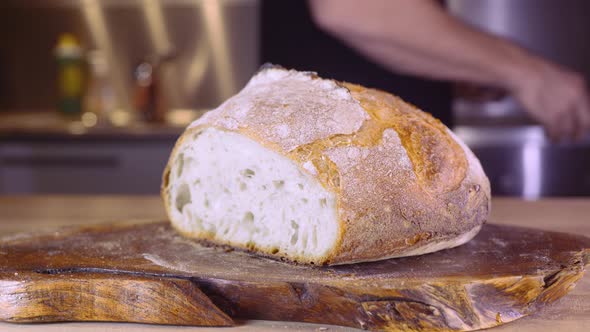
x=437, y=159
x=408, y=177
x=403, y=181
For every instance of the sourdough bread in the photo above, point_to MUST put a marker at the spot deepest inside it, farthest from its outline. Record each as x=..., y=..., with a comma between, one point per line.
x=323, y=172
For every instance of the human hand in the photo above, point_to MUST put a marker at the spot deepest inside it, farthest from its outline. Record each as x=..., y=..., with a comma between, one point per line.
x=556, y=97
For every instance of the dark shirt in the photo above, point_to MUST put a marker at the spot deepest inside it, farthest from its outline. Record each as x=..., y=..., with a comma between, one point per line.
x=290, y=38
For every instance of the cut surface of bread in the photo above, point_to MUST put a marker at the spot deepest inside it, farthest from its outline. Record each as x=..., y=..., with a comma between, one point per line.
x=324, y=172
x=229, y=189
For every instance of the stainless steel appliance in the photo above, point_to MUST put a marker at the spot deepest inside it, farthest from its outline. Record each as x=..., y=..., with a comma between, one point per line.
x=520, y=161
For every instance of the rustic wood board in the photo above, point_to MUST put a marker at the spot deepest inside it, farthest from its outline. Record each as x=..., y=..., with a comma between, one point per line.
x=147, y=273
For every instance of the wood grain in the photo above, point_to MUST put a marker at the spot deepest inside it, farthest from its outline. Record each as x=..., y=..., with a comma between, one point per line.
x=503, y=274
x=44, y=297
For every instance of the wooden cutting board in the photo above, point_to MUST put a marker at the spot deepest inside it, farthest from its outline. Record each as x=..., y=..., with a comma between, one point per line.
x=147, y=273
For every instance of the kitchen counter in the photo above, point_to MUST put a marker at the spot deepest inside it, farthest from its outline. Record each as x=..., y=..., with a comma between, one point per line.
x=25, y=213
x=49, y=125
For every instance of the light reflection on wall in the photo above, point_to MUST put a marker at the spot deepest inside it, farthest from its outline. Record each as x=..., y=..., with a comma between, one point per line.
x=196, y=70
x=94, y=17
x=152, y=10
x=219, y=42
x=160, y=38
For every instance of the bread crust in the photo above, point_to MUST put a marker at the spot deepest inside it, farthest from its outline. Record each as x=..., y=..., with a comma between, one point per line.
x=405, y=185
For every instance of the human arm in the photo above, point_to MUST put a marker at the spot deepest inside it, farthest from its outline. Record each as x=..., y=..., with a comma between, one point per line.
x=419, y=37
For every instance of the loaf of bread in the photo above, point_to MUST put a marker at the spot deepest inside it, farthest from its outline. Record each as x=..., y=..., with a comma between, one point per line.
x=322, y=172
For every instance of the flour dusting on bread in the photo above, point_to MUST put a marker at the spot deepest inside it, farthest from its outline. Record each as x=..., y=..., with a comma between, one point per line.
x=324, y=172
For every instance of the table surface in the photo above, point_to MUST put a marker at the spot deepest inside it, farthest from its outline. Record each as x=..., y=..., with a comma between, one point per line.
x=26, y=213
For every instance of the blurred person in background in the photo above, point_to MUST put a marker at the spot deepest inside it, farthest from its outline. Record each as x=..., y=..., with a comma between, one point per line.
x=411, y=48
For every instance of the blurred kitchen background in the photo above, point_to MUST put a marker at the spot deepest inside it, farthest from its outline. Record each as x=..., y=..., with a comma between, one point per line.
x=94, y=93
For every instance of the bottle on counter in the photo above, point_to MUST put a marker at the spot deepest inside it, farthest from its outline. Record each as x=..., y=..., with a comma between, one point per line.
x=150, y=99
x=70, y=75
x=99, y=99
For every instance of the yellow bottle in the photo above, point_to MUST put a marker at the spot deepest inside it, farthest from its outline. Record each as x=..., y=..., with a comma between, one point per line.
x=70, y=76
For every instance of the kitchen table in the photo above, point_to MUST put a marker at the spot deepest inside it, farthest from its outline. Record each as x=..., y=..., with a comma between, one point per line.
x=26, y=213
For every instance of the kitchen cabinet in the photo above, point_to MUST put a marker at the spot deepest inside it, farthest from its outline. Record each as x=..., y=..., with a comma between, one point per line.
x=42, y=153
x=96, y=166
